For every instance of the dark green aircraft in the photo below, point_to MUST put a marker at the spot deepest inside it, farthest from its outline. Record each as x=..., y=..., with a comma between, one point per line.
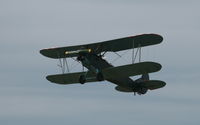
x=90, y=55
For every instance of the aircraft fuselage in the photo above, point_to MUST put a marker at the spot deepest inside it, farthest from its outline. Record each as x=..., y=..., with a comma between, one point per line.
x=96, y=64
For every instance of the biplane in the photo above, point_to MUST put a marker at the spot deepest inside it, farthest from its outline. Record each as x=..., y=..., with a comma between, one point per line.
x=91, y=57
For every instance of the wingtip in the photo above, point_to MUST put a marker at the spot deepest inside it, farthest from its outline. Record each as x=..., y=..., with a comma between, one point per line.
x=159, y=66
x=42, y=52
x=157, y=37
x=49, y=78
x=160, y=38
x=45, y=52
x=164, y=84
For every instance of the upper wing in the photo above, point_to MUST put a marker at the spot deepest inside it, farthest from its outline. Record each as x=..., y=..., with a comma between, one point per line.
x=131, y=70
x=111, y=45
x=71, y=78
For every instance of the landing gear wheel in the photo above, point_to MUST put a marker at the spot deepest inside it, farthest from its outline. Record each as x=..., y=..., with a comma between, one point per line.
x=82, y=79
x=100, y=77
x=140, y=90
x=80, y=58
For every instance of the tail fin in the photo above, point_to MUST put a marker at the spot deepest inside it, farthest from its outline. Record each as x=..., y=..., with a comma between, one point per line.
x=144, y=77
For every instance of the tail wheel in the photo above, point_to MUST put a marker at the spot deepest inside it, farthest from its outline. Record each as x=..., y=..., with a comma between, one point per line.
x=82, y=79
x=100, y=77
x=140, y=90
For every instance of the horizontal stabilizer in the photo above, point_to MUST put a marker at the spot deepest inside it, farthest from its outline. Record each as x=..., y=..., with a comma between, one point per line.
x=131, y=70
x=123, y=89
x=153, y=84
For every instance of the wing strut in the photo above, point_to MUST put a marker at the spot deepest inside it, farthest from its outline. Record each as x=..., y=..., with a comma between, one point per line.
x=134, y=55
x=140, y=53
x=63, y=64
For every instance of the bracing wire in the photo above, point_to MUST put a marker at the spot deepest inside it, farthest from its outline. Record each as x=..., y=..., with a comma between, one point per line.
x=119, y=56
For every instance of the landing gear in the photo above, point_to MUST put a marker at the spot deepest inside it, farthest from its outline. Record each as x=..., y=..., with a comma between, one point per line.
x=100, y=76
x=80, y=58
x=82, y=79
x=140, y=90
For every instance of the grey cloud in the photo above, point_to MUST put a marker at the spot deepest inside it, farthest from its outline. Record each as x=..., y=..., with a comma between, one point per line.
x=28, y=26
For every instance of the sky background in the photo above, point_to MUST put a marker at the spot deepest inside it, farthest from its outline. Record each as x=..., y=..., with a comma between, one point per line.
x=26, y=97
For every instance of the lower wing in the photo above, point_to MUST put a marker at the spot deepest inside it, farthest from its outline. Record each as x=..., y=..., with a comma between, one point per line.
x=109, y=73
x=131, y=70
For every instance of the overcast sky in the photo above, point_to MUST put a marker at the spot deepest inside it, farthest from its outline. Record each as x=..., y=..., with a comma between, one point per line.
x=26, y=97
